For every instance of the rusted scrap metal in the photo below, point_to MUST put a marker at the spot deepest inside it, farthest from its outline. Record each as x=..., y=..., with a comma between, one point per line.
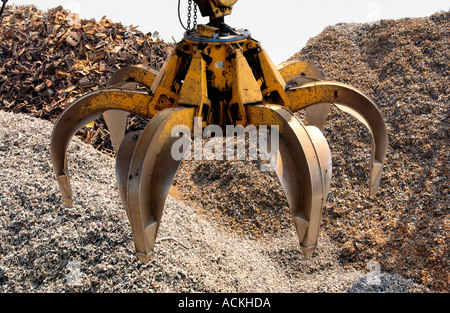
x=47, y=59
x=3, y=7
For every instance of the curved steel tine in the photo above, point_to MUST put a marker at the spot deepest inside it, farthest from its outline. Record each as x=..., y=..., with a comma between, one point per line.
x=81, y=112
x=123, y=161
x=353, y=102
x=299, y=73
x=324, y=154
x=151, y=172
x=292, y=69
x=135, y=73
x=316, y=115
x=299, y=170
x=116, y=121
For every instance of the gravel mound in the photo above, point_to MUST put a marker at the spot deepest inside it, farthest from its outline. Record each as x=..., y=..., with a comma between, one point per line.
x=46, y=247
x=404, y=66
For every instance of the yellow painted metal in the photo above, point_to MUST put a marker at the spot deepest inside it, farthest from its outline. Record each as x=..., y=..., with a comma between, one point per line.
x=244, y=82
x=136, y=73
x=194, y=92
x=245, y=88
x=119, y=99
x=219, y=66
x=219, y=70
x=298, y=73
x=165, y=87
x=291, y=69
x=223, y=70
x=90, y=125
x=225, y=3
x=273, y=86
x=215, y=8
x=207, y=31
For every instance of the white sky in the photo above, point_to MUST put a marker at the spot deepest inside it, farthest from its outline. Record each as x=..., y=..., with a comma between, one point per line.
x=283, y=26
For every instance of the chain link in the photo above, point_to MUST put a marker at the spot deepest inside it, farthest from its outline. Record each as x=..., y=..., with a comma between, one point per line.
x=4, y=5
x=195, y=15
x=189, y=15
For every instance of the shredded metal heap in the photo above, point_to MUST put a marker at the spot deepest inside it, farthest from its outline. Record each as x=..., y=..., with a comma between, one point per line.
x=404, y=65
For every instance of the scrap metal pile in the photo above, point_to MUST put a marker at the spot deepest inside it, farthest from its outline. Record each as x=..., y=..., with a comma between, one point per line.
x=48, y=59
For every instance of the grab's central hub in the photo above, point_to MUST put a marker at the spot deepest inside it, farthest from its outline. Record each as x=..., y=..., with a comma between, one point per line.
x=221, y=34
x=219, y=79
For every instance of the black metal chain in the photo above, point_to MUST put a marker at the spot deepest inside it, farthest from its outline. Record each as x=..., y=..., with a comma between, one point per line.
x=195, y=15
x=3, y=7
x=189, y=15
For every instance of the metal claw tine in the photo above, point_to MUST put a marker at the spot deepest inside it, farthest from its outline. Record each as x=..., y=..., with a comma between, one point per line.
x=135, y=73
x=81, y=112
x=298, y=73
x=151, y=172
x=116, y=121
x=299, y=170
x=353, y=102
x=292, y=69
x=123, y=160
x=324, y=154
x=220, y=76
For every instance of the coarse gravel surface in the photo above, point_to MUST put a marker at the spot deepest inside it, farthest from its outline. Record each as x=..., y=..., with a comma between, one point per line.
x=404, y=66
x=46, y=247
